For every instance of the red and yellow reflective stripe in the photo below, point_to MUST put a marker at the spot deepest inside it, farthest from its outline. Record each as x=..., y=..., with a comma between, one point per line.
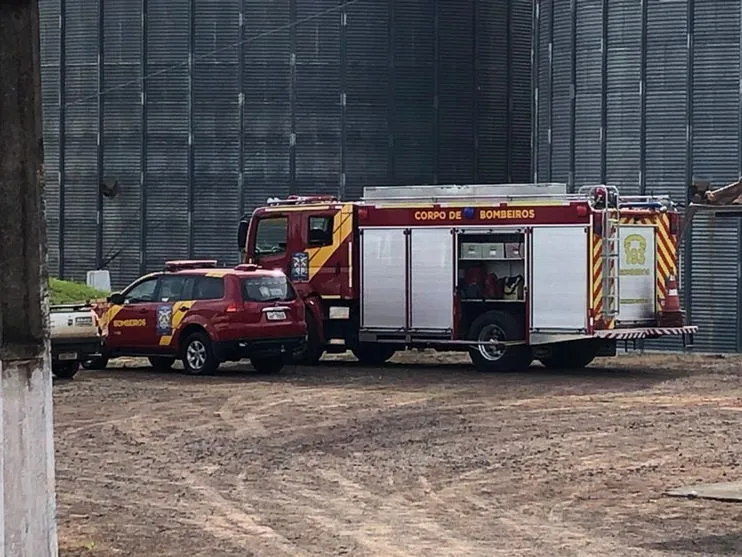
x=342, y=230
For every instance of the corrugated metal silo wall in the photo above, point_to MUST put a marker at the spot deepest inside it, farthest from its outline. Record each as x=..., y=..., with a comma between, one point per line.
x=655, y=109
x=211, y=106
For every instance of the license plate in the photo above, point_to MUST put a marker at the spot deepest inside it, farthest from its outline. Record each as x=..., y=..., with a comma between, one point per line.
x=277, y=315
x=68, y=356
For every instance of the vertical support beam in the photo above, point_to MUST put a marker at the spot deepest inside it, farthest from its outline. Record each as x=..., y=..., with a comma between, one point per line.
x=343, y=94
x=475, y=95
x=241, y=110
x=739, y=221
x=573, y=101
x=550, y=101
x=391, y=93
x=436, y=85
x=27, y=505
x=143, y=141
x=643, y=102
x=604, y=97
x=509, y=92
x=688, y=248
x=99, y=140
x=535, y=102
x=292, y=95
x=62, y=129
x=191, y=162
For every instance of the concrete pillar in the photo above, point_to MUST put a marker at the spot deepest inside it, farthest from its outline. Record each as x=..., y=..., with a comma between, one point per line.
x=27, y=511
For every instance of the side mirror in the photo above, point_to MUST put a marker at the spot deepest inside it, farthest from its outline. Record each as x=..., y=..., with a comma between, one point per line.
x=117, y=299
x=242, y=234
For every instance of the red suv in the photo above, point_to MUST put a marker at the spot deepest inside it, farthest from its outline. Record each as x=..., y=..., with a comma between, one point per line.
x=204, y=315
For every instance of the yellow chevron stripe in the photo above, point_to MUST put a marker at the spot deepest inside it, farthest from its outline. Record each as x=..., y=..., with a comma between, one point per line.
x=108, y=316
x=343, y=228
x=176, y=320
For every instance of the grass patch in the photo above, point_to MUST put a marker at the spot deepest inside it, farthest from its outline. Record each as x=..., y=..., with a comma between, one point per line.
x=66, y=292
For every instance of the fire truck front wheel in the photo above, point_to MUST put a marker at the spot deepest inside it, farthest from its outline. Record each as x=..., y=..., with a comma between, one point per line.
x=498, y=325
x=311, y=352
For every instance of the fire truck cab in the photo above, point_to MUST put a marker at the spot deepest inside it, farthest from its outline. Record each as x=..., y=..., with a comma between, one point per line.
x=509, y=272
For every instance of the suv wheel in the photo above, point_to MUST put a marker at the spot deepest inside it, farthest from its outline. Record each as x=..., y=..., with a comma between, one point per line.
x=198, y=356
x=161, y=362
x=65, y=370
x=267, y=364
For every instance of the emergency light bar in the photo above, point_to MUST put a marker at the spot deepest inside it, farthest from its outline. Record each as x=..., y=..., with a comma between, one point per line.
x=302, y=199
x=184, y=264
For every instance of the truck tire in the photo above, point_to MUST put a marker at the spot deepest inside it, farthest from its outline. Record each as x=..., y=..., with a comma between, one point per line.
x=65, y=370
x=268, y=364
x=500, y=326
x=161, y=362
x=311, y=352
x=373, y=354
x=198, y=355
x=96, y=363
x=571, y=355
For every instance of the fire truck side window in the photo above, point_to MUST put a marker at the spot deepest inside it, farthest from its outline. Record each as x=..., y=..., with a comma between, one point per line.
x=320, y=231
x=271, y=235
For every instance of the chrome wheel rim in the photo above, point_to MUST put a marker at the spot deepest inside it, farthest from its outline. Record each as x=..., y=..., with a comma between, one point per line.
x=491, y=353
x=196, y=354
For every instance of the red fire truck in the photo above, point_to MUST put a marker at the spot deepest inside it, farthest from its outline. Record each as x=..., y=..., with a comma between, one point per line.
x=512, y=273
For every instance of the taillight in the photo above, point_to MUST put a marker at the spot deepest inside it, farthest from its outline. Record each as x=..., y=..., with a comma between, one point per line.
x=232, y=309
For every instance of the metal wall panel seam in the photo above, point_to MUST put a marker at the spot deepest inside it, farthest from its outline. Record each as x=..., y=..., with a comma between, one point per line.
x=62, y=132
x=535, y=61
x=573, y=102
x=143, y=143
x=99, y=146
x=739, y=173
x=688, y=248
x=475, y=96
x=292, y=95
x=391, y=92
x=343, y=96
x=643, y=102
x=604, y=96
x=191, y=156
x=241, y=187
x=509, y=92
x=436, y=80
x=550, y=103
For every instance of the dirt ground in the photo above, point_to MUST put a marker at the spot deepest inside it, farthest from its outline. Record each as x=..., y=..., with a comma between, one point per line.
x=425, y=457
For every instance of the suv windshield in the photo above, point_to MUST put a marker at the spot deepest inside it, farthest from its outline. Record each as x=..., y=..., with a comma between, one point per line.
x=267, y=289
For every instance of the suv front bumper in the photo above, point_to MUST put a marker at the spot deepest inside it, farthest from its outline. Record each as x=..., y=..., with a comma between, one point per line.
x=247, y=348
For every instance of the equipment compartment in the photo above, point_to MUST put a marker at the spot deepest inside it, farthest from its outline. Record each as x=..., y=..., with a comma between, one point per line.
x=498, y=273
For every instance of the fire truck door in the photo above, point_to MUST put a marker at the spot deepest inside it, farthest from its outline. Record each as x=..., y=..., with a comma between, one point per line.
x=637, y=272
x=328, y=243
x=559, y=279
x=276, y=237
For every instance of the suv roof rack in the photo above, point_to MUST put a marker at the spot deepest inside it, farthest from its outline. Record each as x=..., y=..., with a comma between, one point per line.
x=183, y=264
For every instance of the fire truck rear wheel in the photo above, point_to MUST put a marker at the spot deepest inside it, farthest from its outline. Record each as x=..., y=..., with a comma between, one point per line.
x=373, y=354
x=498, y=325
x=571, y=355
x=161, y=362
x=198, y=355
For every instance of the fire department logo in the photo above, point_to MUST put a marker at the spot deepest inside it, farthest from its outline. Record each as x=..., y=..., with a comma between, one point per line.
x=164, y=320
x=300, y=266
x=635, y=247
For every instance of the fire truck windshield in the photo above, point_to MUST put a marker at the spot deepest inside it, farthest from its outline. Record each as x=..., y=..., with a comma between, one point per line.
x=267, y=289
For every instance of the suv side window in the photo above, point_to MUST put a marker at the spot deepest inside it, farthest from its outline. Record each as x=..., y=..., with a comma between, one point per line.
x=171, y=288
x=320, y=231
x=143, y=292
x=271, y=236
x=208, y=288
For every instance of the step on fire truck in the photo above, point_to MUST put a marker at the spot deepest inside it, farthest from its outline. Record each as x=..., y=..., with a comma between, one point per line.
x=510, y=272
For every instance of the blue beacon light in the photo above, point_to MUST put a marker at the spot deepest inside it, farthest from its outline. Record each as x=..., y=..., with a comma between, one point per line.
x=468, y=213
